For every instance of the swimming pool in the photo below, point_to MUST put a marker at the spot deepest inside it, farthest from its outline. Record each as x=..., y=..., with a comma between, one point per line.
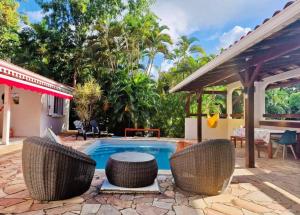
x=101, y=150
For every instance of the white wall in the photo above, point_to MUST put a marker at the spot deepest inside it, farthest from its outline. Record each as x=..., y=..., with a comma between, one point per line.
x=223, y=130
x=57, y=124
x=30, y=117
x=25, y=116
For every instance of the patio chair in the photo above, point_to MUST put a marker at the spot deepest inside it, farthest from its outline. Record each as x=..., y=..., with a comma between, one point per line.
x=204, y=168
x=53, y=171
x=95, y=128
x=288, y=139
x=81, y=130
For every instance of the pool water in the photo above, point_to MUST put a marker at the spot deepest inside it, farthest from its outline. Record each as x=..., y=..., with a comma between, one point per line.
x=101, y=150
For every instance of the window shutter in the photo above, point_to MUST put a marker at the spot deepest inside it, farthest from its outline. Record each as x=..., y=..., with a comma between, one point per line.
x=50, y=105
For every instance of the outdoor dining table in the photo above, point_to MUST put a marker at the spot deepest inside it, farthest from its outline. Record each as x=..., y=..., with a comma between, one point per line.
x=261, y=134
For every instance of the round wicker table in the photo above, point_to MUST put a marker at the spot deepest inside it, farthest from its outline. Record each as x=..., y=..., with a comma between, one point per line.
x=131, y=169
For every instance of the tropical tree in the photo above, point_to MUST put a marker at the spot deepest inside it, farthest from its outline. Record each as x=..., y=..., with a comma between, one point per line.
x=85, y=98
x=9, y=26
x=157, y=42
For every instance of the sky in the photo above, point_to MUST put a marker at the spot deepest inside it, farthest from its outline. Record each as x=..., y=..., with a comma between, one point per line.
x=215, y=23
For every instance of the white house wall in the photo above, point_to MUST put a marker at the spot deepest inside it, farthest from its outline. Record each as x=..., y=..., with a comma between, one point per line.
x=25, y=116
x=57, y=124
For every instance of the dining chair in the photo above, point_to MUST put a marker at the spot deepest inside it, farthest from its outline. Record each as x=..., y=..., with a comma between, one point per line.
x=288, y=139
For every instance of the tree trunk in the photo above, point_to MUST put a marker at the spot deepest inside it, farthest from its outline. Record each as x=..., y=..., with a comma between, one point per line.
x=75, y=74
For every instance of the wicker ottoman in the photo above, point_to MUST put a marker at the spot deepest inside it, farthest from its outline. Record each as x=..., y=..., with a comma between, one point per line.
x=131, y=169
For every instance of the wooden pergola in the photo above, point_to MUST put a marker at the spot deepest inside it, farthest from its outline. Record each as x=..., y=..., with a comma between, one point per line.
x=270, y=49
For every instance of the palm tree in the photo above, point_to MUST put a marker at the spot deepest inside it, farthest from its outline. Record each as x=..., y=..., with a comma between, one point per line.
x=157, y=42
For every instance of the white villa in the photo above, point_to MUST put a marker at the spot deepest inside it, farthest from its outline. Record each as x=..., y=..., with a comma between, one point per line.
x=30, y=103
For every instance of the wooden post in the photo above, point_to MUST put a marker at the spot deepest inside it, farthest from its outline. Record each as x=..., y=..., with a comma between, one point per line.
x=188, y=105
x=6, y=115
x=199, y=116
x=249, y=126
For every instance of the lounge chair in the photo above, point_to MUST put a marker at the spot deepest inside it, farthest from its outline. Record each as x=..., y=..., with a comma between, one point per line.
x=204, y=168
x=53, y=171
x=81, y=130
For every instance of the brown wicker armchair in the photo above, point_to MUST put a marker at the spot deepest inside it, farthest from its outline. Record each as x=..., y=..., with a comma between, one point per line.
x=204, y=168
x=54, y=171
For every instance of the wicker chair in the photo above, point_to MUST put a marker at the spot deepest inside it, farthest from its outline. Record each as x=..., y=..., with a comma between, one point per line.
x=53, y=171
x=204, y=168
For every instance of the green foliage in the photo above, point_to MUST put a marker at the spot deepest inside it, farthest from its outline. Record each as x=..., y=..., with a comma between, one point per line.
x=133, y=99
x=85, y=98
x=294, y=102
x=283, y=100
x=170, y=115
x=9, y=26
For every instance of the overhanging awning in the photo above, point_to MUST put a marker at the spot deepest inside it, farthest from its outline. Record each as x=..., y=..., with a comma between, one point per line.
x=15, y=76
x=271, y=48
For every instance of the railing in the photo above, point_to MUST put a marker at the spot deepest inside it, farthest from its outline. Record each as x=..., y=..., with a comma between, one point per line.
x=223, y=115
x=276, y=116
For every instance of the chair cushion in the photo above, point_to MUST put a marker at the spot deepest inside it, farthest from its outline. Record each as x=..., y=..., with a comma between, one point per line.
x=49, y=134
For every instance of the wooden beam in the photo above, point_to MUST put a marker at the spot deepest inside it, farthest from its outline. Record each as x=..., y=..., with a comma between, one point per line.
x=199, y=116
x=267, y=115
x=249, y=126
x=283, y=84
x=255, y=73
x=188, y=105
x=215, y=92
x=281, y=123
x=276, y=52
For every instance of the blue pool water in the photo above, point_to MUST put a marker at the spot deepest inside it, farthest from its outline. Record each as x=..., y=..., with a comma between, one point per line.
x=101, y=150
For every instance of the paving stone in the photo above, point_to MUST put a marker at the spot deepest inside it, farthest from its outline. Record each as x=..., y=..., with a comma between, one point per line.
x=143, y=200
x=108, y=210
x=128, y=211
x=220, y=198
x=100, y=199
x=75, y=200
x=248, y=186
x=169, y=193
x=18, y=208
x=209, y=211
x=258, y=196
x=246, y=212
x=181, y=199
x=2, y=194
x=39, y=212
x=23, y=194
x=163, y=205
x=250, y=206
x=127, y=197
x=198, y=203
x=167, y=200
x=119, y=203
x=184, y=210
x=15, y=188
x=40, y=206
x=226, y=209
x=63, y=209
x=90, y=209
x=9, y=202
x=150, y=210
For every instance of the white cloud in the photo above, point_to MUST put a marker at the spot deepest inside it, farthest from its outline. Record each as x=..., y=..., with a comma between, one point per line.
x=166, y=65
x=35, y=16
x=228, y=38
x=187, y=16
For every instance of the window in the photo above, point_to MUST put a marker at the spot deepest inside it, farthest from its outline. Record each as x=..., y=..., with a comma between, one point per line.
x=55, y=106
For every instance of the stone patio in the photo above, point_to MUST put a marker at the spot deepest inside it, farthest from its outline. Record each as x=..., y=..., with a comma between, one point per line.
x=271, y=188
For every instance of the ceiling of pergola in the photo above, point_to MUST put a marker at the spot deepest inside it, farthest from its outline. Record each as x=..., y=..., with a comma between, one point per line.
x=278, y=53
